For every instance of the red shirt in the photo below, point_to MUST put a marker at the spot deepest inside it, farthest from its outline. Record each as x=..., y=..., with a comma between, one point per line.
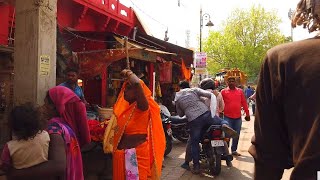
x=233, y=100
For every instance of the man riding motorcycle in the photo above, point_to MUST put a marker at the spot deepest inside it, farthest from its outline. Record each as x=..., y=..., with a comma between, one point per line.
x=188, y=102
x=208, y=85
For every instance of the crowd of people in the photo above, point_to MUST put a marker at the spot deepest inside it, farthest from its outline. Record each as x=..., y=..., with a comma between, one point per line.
x=202, y=106
x=46, y=141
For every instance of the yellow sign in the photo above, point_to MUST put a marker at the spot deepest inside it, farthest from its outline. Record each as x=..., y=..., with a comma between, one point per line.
x=44, y=65
x=201, y=71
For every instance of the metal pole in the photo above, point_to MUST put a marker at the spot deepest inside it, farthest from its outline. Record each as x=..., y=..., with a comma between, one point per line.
x=291, y=33
x=290, y=14
x=200, y=39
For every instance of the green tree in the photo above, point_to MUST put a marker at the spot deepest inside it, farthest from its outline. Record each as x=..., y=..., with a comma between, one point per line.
x=243, y=41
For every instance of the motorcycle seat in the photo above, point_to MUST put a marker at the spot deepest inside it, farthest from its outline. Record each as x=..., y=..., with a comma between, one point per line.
x=178, y=119
x=213, y=127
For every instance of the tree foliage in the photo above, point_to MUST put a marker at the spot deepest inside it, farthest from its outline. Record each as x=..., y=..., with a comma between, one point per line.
x=245, y=38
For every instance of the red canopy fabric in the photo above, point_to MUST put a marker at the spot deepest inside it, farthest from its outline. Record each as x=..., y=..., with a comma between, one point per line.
x=93, y=63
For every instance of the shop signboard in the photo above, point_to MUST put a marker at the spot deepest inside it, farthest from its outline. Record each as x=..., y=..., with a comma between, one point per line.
x=44, y=65
x=201, y=59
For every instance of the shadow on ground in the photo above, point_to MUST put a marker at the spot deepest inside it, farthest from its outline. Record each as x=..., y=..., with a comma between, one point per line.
x=245, y=158
x=230, y=173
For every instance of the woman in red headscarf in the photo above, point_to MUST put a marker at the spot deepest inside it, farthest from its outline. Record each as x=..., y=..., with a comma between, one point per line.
x=139, y=140
x=68, y=130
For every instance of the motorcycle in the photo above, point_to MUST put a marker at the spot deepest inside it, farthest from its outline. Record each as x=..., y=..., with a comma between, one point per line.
x=212, y=148
x=167, y=128
x=92, y=112
x=179, y=128
x=178, y=124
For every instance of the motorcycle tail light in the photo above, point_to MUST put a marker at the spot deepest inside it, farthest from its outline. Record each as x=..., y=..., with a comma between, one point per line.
x=168, y=126
x=216, y=133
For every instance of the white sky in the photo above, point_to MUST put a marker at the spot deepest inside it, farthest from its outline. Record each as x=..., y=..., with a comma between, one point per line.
x=157, y=15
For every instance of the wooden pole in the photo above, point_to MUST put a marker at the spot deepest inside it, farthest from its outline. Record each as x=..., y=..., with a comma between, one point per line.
x=127, y=52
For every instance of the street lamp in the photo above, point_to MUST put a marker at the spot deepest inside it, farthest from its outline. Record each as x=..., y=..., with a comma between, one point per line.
x=209, y=24
x=290, y=15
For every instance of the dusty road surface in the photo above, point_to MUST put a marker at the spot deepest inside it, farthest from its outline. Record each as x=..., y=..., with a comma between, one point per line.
x=242, y=166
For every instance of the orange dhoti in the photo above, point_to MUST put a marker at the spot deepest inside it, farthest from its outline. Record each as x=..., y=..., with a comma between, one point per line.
x=143, y=158
x=132, y=121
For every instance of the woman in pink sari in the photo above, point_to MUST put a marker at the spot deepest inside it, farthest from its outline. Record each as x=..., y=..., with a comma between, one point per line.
x=68, y=130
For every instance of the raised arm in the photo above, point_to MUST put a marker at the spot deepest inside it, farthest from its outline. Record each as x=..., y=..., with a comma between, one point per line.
x=134, y=81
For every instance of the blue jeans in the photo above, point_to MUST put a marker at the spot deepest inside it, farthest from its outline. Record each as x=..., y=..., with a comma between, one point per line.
x=196, y=127
x=236, y=125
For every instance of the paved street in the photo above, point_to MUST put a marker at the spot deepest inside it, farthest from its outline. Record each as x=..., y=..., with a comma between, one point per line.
x=242, y=166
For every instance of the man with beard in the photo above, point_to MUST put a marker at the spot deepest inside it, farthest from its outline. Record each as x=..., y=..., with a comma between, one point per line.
x=287, y=120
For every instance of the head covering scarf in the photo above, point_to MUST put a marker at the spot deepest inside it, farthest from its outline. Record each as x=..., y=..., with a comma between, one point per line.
x=72, y=111
x=156, y=135
x=307, y=14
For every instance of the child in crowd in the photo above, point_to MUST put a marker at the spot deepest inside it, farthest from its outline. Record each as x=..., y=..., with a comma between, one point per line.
x=29, y=145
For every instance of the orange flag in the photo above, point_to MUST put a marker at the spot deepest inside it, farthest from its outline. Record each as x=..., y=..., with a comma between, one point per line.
x=186, y=71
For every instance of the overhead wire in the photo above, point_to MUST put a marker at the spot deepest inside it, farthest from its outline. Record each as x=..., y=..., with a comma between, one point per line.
x=81, y=37
x=148, y=15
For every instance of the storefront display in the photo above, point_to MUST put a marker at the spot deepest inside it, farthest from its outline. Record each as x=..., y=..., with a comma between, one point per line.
x=165, y=72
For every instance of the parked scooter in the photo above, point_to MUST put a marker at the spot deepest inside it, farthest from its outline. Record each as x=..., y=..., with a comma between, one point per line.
x=164, y=113
x=178, y=125
x=213, y=148
x=92, y=112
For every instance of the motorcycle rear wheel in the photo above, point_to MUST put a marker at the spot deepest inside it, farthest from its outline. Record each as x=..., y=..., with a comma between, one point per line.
x=214, y=162
x=183, y=139
x=168, y=146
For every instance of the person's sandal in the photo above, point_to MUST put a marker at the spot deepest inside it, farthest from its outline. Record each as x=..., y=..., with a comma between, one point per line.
x=235, y=153
x=229, y=131
x=229, y=163
x=185, y=166
x=196, y=169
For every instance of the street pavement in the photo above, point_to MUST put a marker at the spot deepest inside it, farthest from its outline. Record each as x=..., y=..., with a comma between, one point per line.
x=242, y=169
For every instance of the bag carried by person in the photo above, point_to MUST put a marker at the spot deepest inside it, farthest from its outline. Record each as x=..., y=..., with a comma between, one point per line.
x=109, y=135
